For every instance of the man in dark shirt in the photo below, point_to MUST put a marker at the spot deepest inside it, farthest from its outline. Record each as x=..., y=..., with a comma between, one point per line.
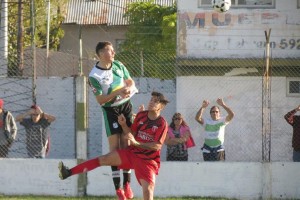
x=294, y=120
x=36, y=127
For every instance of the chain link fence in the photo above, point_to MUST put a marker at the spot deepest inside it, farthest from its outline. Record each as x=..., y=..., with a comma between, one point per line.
x=46, y=78
x=188, y=81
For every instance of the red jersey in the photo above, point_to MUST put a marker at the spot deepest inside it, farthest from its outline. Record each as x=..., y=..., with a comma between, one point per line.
x=147, y=130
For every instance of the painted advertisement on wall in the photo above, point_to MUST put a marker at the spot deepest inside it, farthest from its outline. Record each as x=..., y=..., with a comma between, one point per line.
x=238, y=33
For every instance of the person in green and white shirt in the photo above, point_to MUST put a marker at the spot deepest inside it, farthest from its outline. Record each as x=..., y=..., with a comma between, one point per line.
x=213, y=149
x=113, y=87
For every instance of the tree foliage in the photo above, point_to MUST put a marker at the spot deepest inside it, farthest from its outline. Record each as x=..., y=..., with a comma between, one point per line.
x=152, y=27
x=150, y=45
x=40, y=21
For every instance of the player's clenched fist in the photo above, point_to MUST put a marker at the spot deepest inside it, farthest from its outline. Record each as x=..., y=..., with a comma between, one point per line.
x=205, y=103
x=121, y=119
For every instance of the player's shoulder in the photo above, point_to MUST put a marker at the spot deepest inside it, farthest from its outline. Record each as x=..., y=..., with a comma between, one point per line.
x=142, y=114
x=163, y=120
x=118, y=63
x=93, y=71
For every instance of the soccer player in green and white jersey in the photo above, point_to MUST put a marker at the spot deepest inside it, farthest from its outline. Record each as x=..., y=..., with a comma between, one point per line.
x=113, y=87
x=213, y=149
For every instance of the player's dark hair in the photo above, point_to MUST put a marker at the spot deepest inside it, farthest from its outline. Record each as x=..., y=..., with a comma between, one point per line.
x=34, y=107
x=160, y=97
x=213, y=108
x=102, y=45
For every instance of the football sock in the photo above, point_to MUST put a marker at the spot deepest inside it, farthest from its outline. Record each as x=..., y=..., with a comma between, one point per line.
x=116, y=176
x=86, y=166
x=126, y=176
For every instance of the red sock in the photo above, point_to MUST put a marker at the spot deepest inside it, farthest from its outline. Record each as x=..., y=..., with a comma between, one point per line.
x=86, y=166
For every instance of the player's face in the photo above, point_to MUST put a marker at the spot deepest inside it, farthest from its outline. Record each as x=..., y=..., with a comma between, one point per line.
x=35, y=116
x=154, y=104
x=107, y=54
x=215, y=113
x=177, y=120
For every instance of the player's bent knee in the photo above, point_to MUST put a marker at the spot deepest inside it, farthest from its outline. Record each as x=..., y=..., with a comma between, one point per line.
x=110, y=159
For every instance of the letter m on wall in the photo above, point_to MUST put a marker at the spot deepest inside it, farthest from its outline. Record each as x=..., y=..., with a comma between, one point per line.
x=198, y=21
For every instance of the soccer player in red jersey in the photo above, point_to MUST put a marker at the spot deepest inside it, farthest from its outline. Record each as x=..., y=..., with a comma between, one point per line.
x=146, y=137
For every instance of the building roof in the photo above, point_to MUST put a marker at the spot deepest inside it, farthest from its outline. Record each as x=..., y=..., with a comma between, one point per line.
x=109, y=12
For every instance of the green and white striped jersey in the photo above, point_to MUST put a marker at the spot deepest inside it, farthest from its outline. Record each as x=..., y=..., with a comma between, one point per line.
x=105, y=81
x=214, y=132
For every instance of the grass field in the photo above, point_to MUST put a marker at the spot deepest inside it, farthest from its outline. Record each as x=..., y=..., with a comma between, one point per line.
x=96, y=198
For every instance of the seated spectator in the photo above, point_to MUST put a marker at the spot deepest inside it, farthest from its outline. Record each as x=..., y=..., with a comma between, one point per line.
x=178, y=139
x=36, y=127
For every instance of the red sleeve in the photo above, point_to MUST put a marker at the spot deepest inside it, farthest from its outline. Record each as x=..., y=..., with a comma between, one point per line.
x=162, y=132
x=139, y=116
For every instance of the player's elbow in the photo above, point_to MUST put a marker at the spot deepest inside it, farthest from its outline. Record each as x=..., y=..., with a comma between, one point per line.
x=100, y=102
x=232, y=115
x=157, y=147
x=199, y=120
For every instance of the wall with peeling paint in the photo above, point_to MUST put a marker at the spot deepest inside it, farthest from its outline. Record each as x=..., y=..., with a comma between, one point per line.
x=238, y=33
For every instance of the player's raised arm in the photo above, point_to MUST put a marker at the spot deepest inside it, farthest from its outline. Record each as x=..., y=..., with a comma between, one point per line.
x=199, y=114
x=122, y=122
x=230, y=113
x=289, y=117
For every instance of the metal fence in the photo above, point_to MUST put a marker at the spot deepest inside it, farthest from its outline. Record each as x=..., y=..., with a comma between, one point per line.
x=44, y=79
x=238, y=81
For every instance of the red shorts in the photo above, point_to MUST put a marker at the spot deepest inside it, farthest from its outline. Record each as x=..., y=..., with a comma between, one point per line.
x=144, y=169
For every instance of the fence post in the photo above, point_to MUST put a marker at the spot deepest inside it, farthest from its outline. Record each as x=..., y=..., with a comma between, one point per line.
x=266, y=123
x=4, y=38
x=266, y=104
x=81, y=130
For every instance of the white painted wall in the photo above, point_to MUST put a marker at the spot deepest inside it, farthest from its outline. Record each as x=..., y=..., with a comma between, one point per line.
x=238, y=33
x=241, y=180
x=242, y=136
x=56, y=96
x=35, y=176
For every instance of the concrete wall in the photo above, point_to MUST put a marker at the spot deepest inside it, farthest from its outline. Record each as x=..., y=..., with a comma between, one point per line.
x=241, y=180
x=56, y=96
x=243, y=136
x=91, y=35
x=243, y=140
x=238, y=33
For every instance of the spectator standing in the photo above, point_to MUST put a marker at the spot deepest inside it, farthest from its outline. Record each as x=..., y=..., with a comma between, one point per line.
x=36, y=124
x=294, y=121
x=213, y=149
x=179, y=139
x=8, y=130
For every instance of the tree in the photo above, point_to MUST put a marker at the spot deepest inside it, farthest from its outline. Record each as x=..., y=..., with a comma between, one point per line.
x=40, y=16
x=150, y=41
x=152, y=27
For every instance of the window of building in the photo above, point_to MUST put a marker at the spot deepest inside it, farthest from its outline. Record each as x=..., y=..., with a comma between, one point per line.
x=298, y=4
x=243, y=3
x=293, y=87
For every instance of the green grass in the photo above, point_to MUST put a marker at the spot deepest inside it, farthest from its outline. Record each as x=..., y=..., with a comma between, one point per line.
x=97, y=198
